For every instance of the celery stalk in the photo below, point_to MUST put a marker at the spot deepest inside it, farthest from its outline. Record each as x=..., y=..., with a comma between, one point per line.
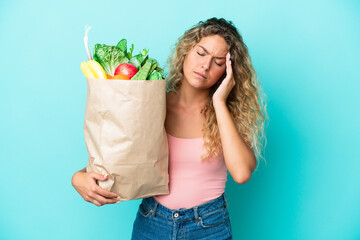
x=86, y=39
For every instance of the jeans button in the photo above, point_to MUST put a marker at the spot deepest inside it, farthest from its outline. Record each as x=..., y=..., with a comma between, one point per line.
x=176, y=215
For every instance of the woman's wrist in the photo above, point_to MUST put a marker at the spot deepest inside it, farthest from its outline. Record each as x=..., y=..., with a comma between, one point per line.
x=218, y=103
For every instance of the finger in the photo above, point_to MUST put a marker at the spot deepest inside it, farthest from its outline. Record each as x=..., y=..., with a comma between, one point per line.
x=98, y=176
x=228, y=64
x=103, y=192
x=92, y=200
x=103, y=200
x=100, y=190
x=106, y=193
x=96, y=203
x=97, y=190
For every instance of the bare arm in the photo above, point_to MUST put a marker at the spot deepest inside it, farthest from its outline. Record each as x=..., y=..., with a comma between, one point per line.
x=240, y=159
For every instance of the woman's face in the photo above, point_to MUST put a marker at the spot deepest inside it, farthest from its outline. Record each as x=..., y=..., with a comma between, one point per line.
x=207, y=58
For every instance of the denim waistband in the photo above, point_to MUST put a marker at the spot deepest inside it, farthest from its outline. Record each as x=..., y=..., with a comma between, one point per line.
x=182, y=214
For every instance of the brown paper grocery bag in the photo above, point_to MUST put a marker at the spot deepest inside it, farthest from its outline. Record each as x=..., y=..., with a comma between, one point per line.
x=125, y=136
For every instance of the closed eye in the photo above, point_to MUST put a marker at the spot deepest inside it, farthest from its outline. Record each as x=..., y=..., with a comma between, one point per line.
x=215, y=62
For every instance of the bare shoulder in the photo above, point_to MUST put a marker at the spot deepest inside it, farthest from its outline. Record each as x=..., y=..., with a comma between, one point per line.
x=170, y=112
x=170, y=97
x=171, y=102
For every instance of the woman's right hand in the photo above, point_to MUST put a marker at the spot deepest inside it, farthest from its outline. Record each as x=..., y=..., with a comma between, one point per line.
x=85, y=184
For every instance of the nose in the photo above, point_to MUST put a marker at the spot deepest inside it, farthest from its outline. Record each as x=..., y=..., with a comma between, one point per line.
x=206, y=63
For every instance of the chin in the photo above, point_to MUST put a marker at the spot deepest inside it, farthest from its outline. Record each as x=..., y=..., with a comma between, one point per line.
x=198, y=84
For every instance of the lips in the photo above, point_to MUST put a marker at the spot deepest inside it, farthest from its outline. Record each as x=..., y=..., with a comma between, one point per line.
x=200, y=75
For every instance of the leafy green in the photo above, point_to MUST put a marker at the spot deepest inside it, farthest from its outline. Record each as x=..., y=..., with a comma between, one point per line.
x=144, y=71
x=155, y=76
x=159, y=69
x=156, y=71
x=109, y=57
x=139, y=60
x=129, y=54
x=148, y=71
x=122, y=45
x=154, y=65
x=144, y=51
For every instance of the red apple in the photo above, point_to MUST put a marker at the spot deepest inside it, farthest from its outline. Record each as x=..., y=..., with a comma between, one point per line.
x=127, y=69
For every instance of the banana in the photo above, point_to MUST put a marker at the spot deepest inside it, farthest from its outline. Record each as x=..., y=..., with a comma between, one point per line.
x=85, y=68
x=92, y=69
x=97, y=69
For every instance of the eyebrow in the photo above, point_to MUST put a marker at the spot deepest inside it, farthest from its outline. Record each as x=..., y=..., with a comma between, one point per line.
x=208, y=52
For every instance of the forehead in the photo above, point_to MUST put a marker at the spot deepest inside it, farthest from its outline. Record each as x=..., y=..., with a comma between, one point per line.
x=214, y=44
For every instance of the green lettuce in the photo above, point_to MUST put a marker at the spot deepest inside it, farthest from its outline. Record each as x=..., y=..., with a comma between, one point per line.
x=109, y=57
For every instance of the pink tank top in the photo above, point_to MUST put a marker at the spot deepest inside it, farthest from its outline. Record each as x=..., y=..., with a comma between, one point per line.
x=192, y=182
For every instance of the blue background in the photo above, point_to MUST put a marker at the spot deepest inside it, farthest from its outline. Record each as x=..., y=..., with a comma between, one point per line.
x=306, y=53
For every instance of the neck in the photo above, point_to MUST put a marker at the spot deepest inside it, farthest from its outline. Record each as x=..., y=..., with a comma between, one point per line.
x=191, y=98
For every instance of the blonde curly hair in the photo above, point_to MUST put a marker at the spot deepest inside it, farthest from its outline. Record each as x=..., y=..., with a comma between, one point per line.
x=246, y=100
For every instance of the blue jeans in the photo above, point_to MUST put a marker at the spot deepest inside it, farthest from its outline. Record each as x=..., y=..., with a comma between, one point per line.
x=206, y=221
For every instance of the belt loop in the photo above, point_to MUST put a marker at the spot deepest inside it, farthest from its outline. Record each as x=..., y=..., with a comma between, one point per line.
x=154, y=210
x=196, y=214
x=226, y=200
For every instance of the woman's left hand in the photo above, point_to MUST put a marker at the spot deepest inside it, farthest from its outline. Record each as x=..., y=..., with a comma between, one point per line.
x=227, y=84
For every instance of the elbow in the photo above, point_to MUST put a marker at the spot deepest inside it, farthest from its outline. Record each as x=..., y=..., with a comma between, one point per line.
x=245, y=175
x=243, y=178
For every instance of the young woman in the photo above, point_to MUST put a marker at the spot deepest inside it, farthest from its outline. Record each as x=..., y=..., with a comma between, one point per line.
x=214, y=123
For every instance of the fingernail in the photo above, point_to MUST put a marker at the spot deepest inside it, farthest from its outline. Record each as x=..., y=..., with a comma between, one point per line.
x=105, y=176
x=117, y=202
x=118, y=197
